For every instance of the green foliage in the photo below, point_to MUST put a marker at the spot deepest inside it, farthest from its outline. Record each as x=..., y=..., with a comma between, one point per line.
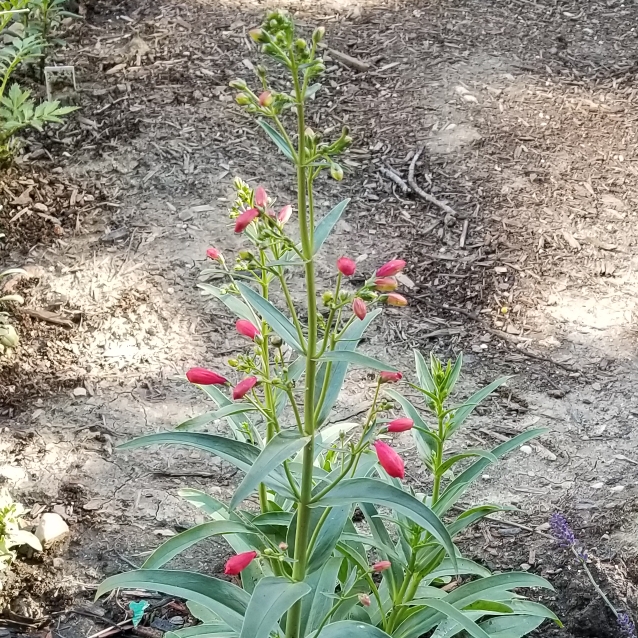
x=306, y=569
x=11, y=533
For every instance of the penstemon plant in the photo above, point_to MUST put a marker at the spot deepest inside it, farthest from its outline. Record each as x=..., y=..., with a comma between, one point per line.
x=305, y=568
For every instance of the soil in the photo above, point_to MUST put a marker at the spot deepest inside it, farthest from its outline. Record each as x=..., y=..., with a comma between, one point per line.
x=524, y=113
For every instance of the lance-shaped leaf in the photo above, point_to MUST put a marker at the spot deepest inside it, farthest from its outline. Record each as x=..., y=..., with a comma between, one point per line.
x=232, y=302
x=273, y=316
x=511, y=626
x=278, y=139
x=461, y=413
x=316, y=605
x=356, y=358
x=226, y=600
x=280, y=448
x=367, y=490
x=271, y=599
x=351, y=629
x=327, y=223
x=177, y=544
x=203, y=631
x=458, y=616
x=234, y=421
x=231, y=409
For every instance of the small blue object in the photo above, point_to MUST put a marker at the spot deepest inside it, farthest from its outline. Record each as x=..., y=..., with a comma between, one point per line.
x=138, y=611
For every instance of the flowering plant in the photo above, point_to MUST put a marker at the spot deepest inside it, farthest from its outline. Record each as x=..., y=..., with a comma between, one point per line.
x=306, y=568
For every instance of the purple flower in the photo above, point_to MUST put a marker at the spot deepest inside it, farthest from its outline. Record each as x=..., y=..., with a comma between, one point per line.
x=626, y=625
x=561, y=530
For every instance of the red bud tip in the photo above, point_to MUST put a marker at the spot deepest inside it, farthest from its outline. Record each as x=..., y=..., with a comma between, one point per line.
x=389, y=460
x=359, y=308
x=238, y=563
x=213, y=253
x=247, y=329
x=385, y=284
x=391, y=268
x=265, y=99
x=394, y=299
x=244, y=387
x=261, y=198
x=201, y=376
x=284, y=214
x=364, y=599
x=390, y=377
x=400, y=425
x=382, y=565
x=346, y=266
x=244, y=220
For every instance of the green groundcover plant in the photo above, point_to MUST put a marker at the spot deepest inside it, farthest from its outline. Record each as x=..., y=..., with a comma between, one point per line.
x=305, y=568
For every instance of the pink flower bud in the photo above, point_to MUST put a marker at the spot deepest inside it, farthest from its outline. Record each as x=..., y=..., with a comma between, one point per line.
x=381, y=566
x=247, y=329
x=238, y=563
x=284, y=214
x=346, y=266
x=390, y=377
x=213, y=253
x=400, y=425
x=395, y=299
x=261, y=198
x=283, y=546
x=359, y=308
x=391, y=268
x=245, y=219
x=244, y=387
x=265, y=99
x=385, y=284
x=389, y=460
x=364, y=599
x=201, y=376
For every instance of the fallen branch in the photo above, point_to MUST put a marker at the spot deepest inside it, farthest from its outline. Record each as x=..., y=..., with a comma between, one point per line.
x=421, y=193
x=348, y=60
x=49, y=317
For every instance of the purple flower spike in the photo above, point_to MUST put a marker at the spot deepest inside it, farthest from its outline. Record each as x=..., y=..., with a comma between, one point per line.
x=626, y=626
x=561, y=530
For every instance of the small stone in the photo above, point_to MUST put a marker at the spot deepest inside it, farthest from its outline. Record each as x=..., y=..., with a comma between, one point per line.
x=526, y=449
x=176, y=620
x=43, y=208
x=58, y=563
x=486, y=477
x=597, y=485
x=79, y=392
x=186, y=215
x=525, y=567
x=51, y=528
x=542, y=527
x=617, y=488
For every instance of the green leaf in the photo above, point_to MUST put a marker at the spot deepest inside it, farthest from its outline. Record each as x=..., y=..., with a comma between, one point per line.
x=328, y=537
x=278, y=139
x=204, y=615
x=201, y=500
x=461, y=413
x=177, y=544
x=232, y=302
x=338, y=370
x=351, y=629
x=510, y=626
x=280, y=448
x=490, y=606
x=453, y=460
x=273, y=519
x=469, y=517
x=356, y=358
x=226, y=600
x=202, y=631
x=209, y=417
x=272, y=598
x=323, y=584
x=456, y=488
x=273, y=316
x=369, y=490
x=235, y=422
x=327, y=223
x=423, y=373
x=458, y=616
x=464, y=567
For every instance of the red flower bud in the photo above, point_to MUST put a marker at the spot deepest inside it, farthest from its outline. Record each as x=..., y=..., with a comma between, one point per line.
x=284, y=214
x=382, y=565
x=247, y=329
x=213, y=253
x=359, y=308
x=385, y=284
x=394, y=299
x=390, y=461
x=364, y=599
x=245, y=219
x=244, y=387
x=400, y=425
x=201, y=376
x=346, y=266
x=261, y=198
x=390, y=377
x=238, y=563
x=391, y=268
x=265, y=99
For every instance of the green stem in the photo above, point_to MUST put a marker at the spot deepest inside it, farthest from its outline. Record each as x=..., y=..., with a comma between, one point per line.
x=438, y=458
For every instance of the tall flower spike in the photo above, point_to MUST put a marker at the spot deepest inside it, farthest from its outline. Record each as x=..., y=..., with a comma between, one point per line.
x=359, y=308
x=245, y=219
x=389, y=460
x=238, y=563
x=561, y=530
x=202, y=376
x=391, y=268
x=626, y=626
x=346, y=266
